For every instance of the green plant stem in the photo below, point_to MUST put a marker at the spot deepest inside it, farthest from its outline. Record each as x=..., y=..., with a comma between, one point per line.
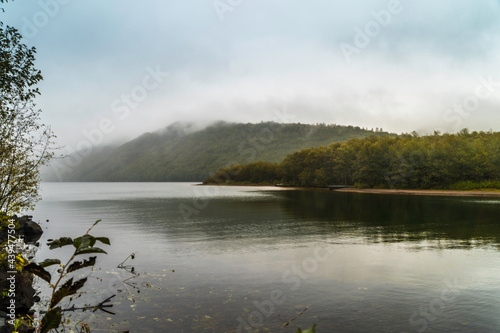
x=63, y=272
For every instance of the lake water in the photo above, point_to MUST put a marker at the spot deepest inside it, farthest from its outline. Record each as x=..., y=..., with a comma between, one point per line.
x=246, y=259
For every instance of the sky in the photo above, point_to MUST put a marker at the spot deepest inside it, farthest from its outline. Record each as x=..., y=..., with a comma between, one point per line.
x=115, y=69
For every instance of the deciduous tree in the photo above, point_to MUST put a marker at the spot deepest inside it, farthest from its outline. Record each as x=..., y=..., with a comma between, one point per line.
x=25, y=141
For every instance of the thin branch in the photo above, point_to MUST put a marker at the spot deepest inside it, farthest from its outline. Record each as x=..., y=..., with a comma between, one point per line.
x=101, y=306
x=297, y=316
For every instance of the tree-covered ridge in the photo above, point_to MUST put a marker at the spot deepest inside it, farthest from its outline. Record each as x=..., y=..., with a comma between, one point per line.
x=458, y=161
x=179, y=154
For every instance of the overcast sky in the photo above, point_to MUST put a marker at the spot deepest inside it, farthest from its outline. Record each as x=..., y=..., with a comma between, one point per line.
x=124, y=67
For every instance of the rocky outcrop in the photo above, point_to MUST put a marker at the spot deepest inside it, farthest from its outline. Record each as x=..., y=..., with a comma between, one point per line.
x=24, y=294
x=31, y=231
x=23, y=291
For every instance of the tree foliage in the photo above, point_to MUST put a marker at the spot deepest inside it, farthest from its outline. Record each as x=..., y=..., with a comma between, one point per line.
x=463, y=160
x=256, y=173
x=180, y=154
x=64, y=286
x=25, y=142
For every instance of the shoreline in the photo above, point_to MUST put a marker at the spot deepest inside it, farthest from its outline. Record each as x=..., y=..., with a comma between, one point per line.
x=452, y=193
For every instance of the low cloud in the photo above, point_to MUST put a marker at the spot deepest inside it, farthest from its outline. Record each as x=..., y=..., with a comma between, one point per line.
x=265, y=56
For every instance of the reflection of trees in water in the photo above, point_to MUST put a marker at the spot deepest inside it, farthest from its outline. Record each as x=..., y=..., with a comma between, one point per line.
x=303, y=216
x=235, y=223
x=457, y=222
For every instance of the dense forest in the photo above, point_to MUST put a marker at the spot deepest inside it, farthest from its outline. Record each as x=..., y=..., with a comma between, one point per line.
x=179, y=153
x=449, y=161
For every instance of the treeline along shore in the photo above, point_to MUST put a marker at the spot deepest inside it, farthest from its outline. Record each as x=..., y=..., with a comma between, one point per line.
x=461, y=161
x=183, y=153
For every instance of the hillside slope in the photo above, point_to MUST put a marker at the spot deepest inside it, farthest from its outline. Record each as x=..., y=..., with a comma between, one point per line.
x=177, y=155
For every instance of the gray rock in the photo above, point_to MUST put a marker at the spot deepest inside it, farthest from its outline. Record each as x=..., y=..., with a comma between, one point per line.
x=31, y=231
x=31, y=228
x=24, y=293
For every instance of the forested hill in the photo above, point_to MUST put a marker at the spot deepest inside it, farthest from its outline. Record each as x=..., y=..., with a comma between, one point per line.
x=176, y=155
x=462, y=161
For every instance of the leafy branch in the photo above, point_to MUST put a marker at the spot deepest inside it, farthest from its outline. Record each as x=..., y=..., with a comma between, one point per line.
x=67, y=287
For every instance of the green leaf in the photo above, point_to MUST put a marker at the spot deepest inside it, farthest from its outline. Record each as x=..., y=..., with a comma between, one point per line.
x=90, y=250
x=49, y=262
x=63, y=241
x=104, y=240
x=84, y=241
x=89, y=241
x=67, y=289
x=38, y=271
x=81, y=264
x=51, y=320
x=311, y=330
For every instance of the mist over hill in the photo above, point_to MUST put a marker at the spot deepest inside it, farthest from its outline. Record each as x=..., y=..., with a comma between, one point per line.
x=180, y=152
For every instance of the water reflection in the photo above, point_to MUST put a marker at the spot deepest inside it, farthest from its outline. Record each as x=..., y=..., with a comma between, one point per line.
x=450, y=221
x=389, y=256
x=296, y=217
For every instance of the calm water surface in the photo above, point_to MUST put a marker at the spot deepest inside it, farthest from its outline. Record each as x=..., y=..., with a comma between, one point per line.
x=244, y=256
